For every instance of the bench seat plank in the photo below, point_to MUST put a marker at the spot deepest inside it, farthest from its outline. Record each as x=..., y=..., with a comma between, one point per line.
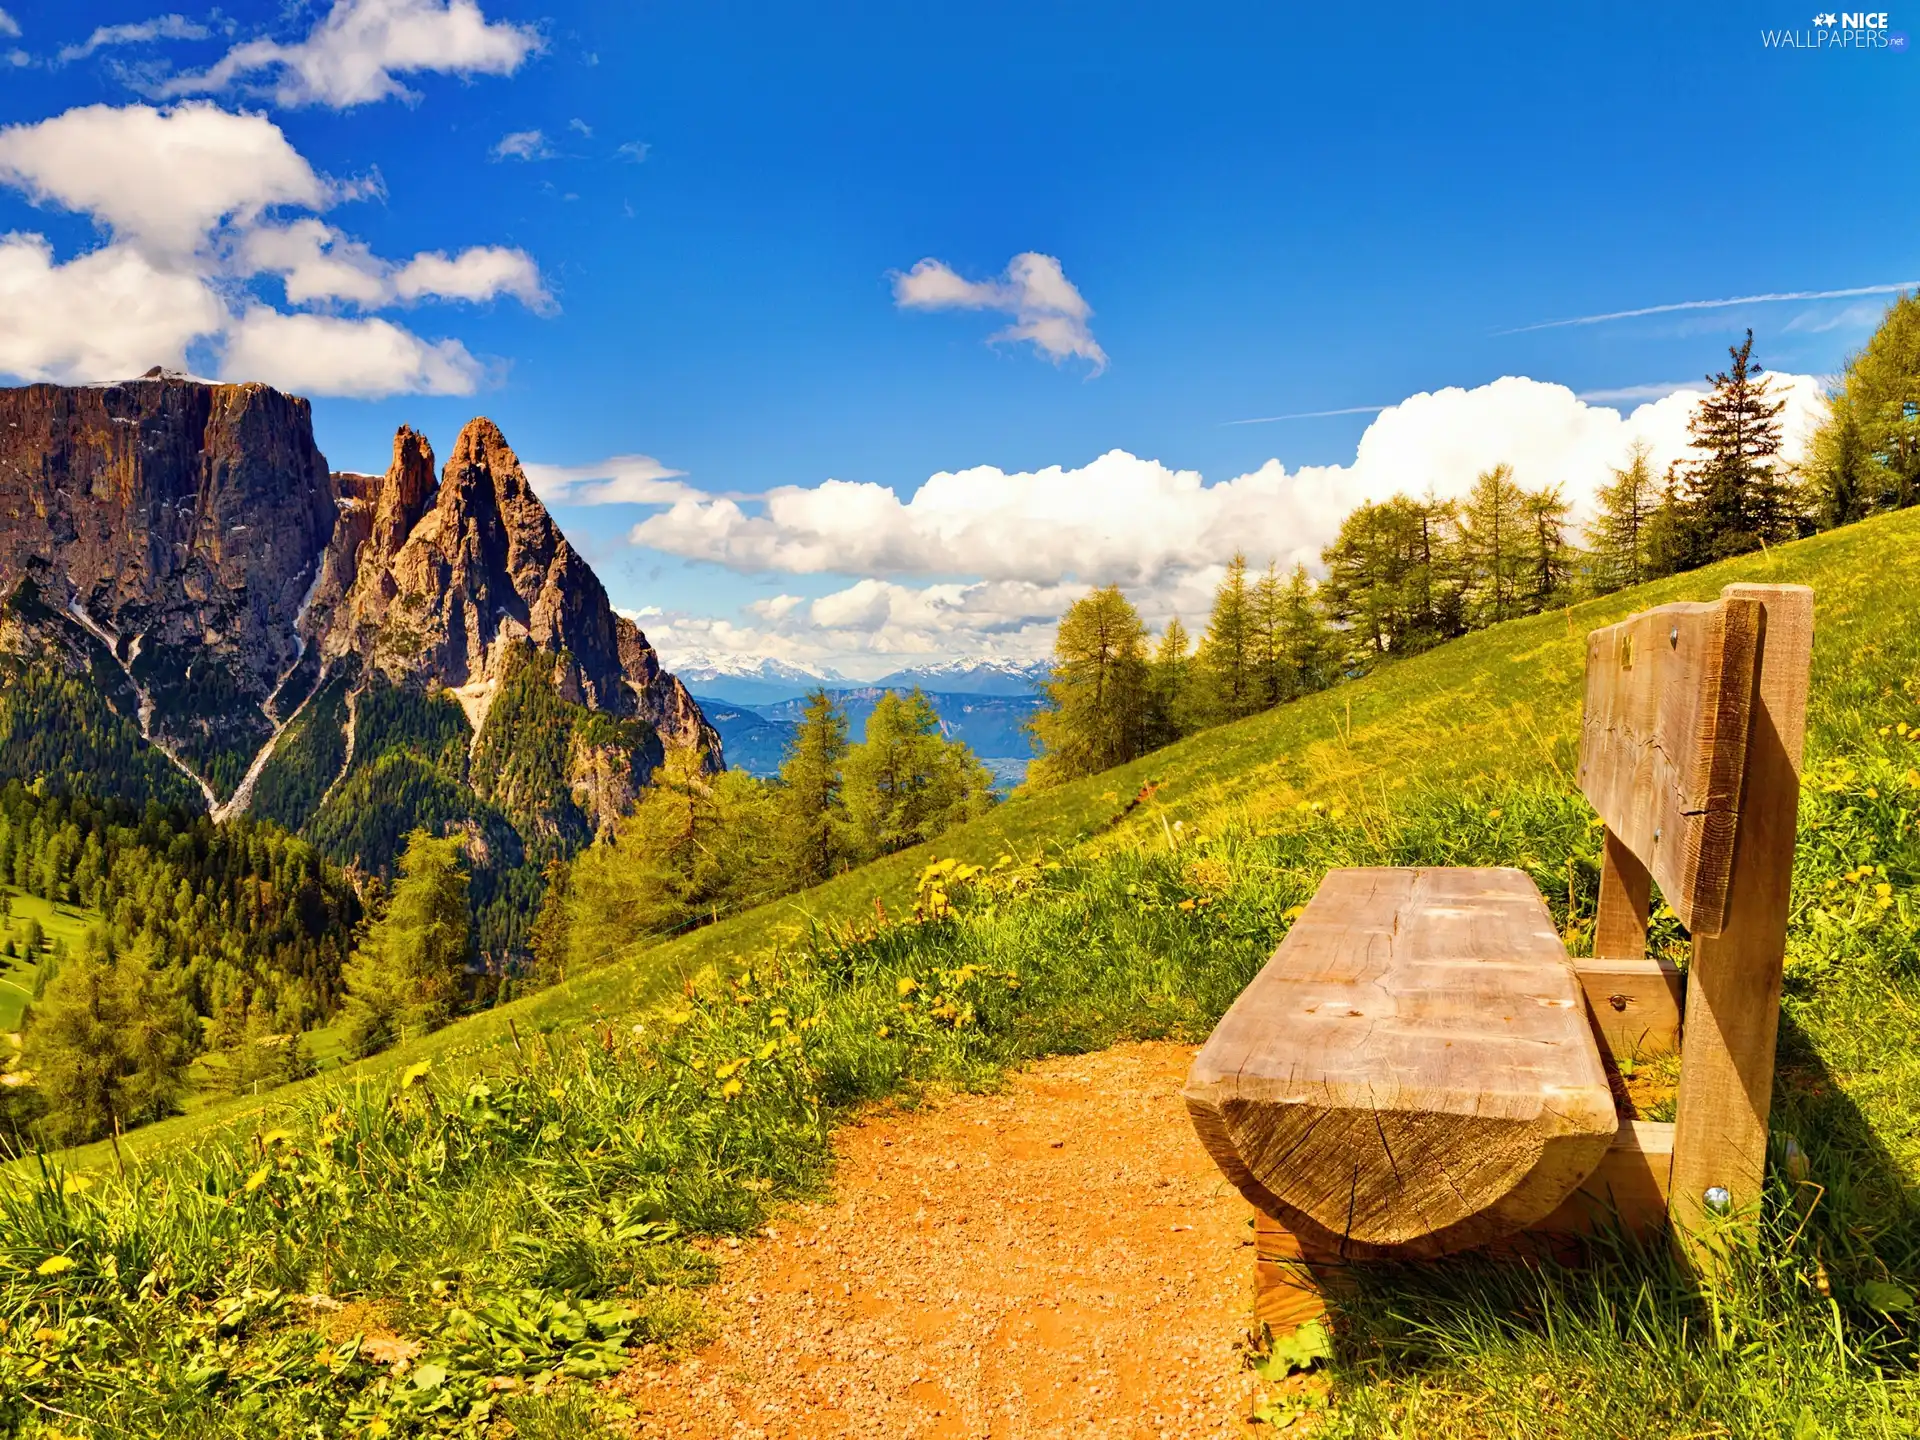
x=1412, y=1073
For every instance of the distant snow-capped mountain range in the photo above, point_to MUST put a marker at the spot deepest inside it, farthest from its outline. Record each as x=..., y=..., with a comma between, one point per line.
x=758, y=680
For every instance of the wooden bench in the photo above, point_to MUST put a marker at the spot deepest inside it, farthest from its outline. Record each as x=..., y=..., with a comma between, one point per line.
x=1419, y=1069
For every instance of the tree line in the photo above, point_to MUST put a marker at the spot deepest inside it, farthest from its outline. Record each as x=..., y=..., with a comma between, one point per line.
x=1406, y=574
x=197, y=937
x=697, y=845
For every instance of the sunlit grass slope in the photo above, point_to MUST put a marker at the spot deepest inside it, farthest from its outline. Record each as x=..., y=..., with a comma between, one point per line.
x=520, y=1198
x=57, y=922
x=1501, y=704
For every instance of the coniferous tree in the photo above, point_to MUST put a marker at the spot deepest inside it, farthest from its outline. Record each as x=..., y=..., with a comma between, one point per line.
x=1229, y=656
x=814, y=844
x=1096, y=698
x=695, y=845
x=1305, y=641
x=406, y=977
x=1269, y=656
x=110, y=1042
x=1624, y=524
x=1842, y=483
x=547, y=941
x=1170, y=688
x=1495, y=533
x=1550, y=559
x=906, y=782
x=1735, y=498
x=1866, y=453
x=1671, y=536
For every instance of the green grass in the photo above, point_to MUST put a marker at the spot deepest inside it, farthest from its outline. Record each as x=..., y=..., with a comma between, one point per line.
x=1499, y=704
x=524, y=1211
x=57, y=922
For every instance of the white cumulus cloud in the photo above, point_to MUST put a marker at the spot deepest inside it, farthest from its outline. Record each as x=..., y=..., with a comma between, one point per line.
x=333, y=355
x=981, y=561
x=9, y=27
x=108, y=313
x=318, y=263
x=1047, y=310
x=1124, y=519
x=161, y=179
x=355, y=55
x=193, y=201
x=617, y=480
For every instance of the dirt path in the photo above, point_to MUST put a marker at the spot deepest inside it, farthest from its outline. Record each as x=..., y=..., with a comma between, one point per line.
x=1058, y=1259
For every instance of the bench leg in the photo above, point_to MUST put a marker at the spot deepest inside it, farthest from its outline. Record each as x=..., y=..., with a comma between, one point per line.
x=1290, y=1287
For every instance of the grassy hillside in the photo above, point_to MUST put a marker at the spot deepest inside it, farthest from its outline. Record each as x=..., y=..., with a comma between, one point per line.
x=57, y=922
x=519, y=1193
x=1498, y=705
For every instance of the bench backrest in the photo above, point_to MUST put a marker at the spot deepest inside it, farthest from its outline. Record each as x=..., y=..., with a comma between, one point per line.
x=1663, y=743
x=1690, y=752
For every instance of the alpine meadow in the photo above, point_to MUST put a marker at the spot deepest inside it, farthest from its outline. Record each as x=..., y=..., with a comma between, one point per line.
x=885, y=866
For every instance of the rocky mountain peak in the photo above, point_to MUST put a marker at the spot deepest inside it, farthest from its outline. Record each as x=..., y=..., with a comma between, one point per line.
x=190, y=537
x=481, y=568
x=404, y=492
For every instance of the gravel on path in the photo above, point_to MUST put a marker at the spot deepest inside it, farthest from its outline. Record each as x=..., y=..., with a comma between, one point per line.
x=1058, y=1258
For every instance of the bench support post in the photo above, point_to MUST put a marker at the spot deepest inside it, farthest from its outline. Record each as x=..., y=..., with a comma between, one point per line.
x=1626, y=895
x=1733, y=987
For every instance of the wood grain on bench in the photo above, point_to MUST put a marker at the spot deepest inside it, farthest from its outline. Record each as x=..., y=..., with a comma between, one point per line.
x=1663, y=744
x=1413, y=1072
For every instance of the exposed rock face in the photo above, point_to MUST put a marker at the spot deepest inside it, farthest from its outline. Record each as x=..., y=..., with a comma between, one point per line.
x=446, y=579
x=194, y=534
x=182, y=523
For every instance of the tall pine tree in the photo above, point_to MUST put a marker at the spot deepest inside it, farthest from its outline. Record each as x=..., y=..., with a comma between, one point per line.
x=1734, y=497
x=1866, y=454
x=405, y=978
x=1550, y=559
x=1307, y=645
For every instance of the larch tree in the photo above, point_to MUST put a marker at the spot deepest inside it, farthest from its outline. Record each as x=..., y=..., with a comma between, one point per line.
x=1623, y=528
x=1305, y=640
x=813, y=839
x=1495, y=534
x=1550, y=559
x=406, y=976
x=694, y=844
x=1228, y=661
x=1269, y=656
x=1096, y=697
x=110, y=1042
x=1170, y=687
x=905, y=782
x=1866, y=453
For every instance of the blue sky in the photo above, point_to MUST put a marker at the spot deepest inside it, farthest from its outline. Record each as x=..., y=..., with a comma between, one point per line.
x=1253, y=210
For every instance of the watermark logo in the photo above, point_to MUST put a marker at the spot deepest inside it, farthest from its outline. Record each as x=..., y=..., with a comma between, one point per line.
x=1839, y=30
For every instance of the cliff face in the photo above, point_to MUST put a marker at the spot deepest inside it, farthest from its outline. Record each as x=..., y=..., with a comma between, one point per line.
x=441, y=581
x=193, y=534
x=181, y=524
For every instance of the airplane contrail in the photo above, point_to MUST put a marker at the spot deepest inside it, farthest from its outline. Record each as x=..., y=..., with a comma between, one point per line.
x=1309, y=415
x=1717, y=305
